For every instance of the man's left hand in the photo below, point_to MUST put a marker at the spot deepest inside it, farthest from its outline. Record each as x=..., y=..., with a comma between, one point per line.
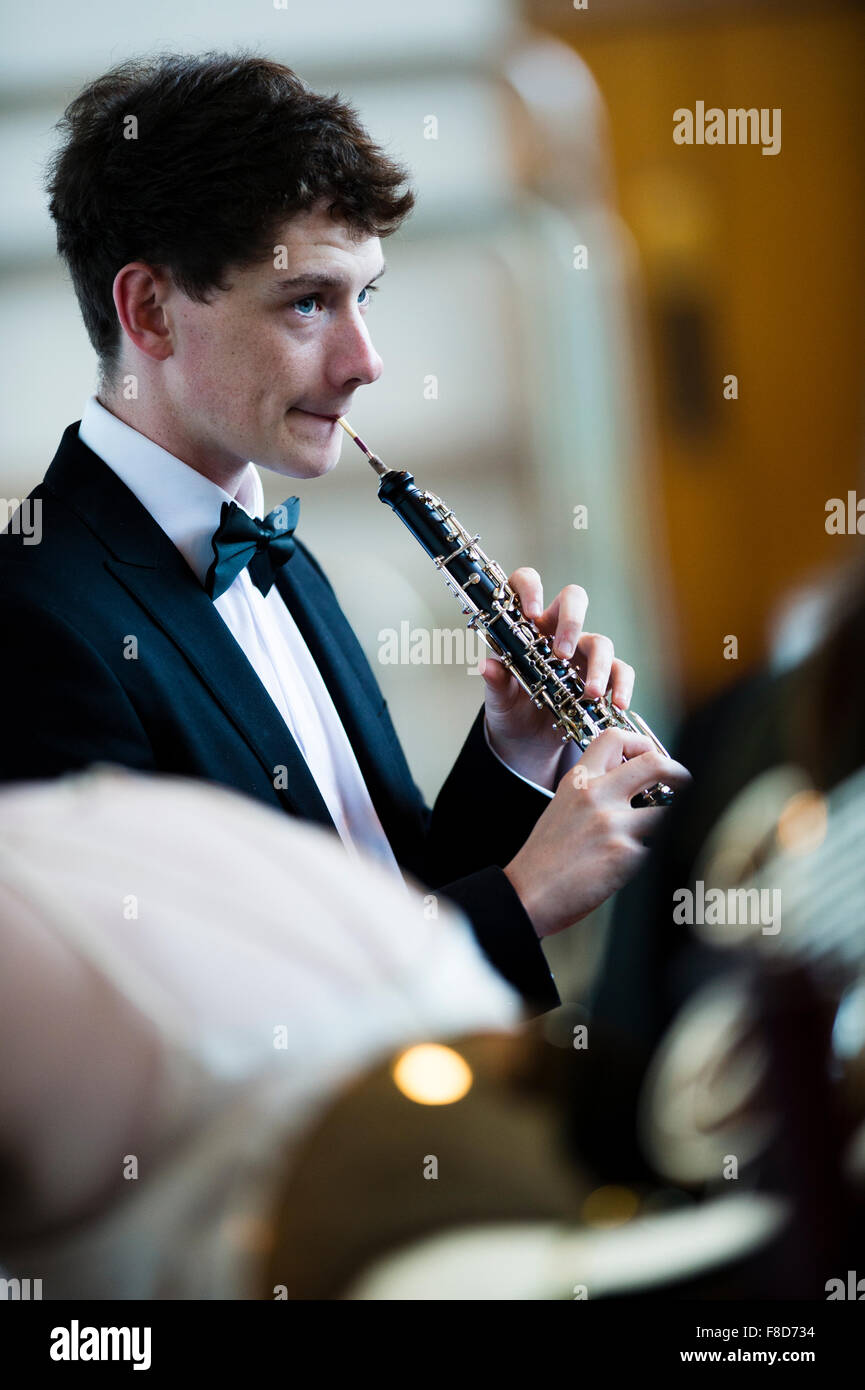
x=522, y=734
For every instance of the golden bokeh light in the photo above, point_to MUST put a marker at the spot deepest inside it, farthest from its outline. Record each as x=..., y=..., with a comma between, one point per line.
x=432, y=1074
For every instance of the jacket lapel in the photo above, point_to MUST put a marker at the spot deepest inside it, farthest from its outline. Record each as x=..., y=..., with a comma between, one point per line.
x=144, y=561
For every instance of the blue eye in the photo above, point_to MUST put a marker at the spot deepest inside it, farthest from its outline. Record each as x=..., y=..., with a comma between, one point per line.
x=369, y=291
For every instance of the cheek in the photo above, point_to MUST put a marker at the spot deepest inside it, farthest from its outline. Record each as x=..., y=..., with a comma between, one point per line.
x=248, y=368
x=216, y=366
x=203, y=357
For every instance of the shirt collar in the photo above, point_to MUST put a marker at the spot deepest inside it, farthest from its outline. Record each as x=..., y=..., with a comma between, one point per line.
x=184, y=503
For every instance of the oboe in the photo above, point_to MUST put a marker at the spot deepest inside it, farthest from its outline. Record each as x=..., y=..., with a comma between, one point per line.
x=493, y=610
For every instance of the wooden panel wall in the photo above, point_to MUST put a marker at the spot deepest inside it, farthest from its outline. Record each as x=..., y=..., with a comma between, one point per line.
x=753, y=265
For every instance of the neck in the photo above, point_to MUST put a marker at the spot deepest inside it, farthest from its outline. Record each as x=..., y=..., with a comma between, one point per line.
x=169, y=434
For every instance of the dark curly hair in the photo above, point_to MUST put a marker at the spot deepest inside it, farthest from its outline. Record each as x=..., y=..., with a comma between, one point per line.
x=227, y=146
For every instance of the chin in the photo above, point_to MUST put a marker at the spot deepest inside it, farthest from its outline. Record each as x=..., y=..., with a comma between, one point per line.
x=303, y=463
x=317, y=469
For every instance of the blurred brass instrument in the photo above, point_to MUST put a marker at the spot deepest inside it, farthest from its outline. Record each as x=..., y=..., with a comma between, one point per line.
x=766, y=1064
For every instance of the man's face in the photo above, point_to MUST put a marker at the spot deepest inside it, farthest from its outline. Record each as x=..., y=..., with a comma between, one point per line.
x=253, y=372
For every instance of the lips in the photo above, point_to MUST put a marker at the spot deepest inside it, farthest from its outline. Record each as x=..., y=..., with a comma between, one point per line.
x=318, y=414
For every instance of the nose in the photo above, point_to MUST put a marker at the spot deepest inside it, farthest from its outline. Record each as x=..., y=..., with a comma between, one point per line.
x=352, y=360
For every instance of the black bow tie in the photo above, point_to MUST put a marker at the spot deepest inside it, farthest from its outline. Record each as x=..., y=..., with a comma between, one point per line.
x=240, y=540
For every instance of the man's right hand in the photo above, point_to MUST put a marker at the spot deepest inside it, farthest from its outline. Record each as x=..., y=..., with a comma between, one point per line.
x=590, y=840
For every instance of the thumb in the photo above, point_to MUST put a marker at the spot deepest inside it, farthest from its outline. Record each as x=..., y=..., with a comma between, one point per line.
x=502, y=689
x=494, y=674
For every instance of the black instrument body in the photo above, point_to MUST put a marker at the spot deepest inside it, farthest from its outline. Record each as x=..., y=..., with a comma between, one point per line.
x=493, y=609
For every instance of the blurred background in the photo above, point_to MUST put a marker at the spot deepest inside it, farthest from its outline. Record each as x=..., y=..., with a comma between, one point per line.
x=558, y=320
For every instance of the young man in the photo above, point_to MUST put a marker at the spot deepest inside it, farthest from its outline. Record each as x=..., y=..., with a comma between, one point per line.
x=222, y=225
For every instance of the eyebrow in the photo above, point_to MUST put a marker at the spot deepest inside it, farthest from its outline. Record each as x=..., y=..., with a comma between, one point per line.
x=320, y=280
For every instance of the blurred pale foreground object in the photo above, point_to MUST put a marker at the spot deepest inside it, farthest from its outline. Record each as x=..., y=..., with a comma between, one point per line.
x=188, y=979
x=543, y=1260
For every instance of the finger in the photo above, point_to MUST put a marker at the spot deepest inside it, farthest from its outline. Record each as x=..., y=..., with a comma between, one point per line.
x=492, y=671
x=596, y=656
x=605, y=753
x=529, y=589
x=646, y=769
x=499, y=681
x=622, y=680
x=646, y=821
x=565, y=617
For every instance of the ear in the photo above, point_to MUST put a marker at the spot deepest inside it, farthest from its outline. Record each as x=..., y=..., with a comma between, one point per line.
x=139, y=293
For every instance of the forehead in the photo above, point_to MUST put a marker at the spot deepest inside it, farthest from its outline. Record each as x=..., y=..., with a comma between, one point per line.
x=311, y=246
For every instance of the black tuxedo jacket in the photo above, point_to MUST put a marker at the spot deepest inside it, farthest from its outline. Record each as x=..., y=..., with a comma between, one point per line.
x=190, y=703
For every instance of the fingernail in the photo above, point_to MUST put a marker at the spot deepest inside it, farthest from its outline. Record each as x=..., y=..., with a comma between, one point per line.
x=566, y=647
